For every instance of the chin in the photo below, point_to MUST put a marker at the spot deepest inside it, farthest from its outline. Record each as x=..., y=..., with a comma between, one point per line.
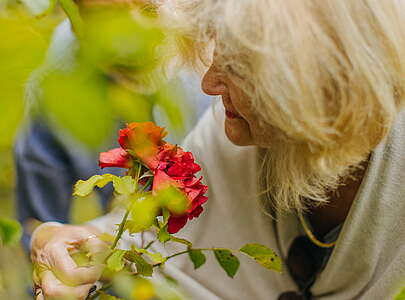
x=237, y=131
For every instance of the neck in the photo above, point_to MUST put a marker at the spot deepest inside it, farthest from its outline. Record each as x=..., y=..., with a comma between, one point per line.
x=326, y=217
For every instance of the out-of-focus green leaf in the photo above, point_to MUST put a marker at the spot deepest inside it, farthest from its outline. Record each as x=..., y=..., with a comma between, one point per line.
x=39, y=7
x=84, y=209
x=263, y=255
x=116, y=260
x=18, y=32
x=72, y=11
x=128, y=105
x=105, y=296
x=125, y=185
x=143, y=214
x=401, y=295
x=85, y=187
x=10, y=231
x=77, y=102
x=144, y=290
x=228, y=261
x=197, y=257
x=170, y=100
x=142, y=266
x=120, y=39
x=172, y=199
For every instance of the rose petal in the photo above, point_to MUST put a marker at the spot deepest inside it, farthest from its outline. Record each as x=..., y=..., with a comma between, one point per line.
x=117, y=157
x=176, y=223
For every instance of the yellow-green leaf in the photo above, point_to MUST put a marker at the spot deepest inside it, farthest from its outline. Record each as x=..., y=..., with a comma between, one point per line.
x=163, y=235
x=116, y=260
x=125, y=185
x=156, y=257
x=143, y=214
x=85, y=187
x=10, y=231
x=229, y=262
x=142, y=266
x=401, y=295
x=263, y=255
x=172, y=199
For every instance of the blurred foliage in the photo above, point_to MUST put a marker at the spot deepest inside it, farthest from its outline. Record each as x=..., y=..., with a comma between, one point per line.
x=117, y=74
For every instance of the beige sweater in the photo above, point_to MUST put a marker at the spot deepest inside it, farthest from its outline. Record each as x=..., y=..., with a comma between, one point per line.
x=368, y=262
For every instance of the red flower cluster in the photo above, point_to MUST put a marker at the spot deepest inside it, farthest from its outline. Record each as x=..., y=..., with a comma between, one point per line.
x=169, y=164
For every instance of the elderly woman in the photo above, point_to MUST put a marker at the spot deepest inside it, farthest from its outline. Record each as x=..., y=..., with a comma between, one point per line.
x=305, y=154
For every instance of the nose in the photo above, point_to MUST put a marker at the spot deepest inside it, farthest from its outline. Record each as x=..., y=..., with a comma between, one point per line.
x=213, y=83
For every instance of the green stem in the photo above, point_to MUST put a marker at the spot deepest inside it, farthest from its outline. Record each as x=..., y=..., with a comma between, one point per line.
x=120, y=230
x=124, y=220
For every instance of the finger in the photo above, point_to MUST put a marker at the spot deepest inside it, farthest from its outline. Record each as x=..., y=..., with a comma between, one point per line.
x=39, y=295
x=94, y=245
x=65, y=268
x=54, y=289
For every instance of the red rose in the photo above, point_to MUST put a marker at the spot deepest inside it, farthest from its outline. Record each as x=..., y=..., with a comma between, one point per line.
x=170, y=165
x=143, y=140
x=178, y=168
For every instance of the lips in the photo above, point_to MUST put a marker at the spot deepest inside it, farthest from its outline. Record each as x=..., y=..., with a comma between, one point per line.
x=230, y=113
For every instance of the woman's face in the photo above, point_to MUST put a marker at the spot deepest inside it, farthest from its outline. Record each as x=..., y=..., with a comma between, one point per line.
x=242, y=124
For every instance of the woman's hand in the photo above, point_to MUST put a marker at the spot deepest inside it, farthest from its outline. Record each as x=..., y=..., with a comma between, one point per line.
x=56, y=275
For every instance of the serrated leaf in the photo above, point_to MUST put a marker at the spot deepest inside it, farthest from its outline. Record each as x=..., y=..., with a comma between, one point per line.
x=83, y=188
x=197, y=257
x=142, y=266
x=10, y=231
x=229, y=262
x=116, y=260
x=125, y=185
x=401, y=295
x=263, y=255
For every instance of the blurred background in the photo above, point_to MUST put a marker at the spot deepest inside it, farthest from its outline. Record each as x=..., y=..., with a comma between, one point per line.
x=71, y=74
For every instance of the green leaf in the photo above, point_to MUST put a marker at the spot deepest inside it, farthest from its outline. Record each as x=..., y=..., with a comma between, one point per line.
x=72, y=11
x=156, y=257
x=263, y=255
x=83, y=188
x=197, y=257
x=116, y=260
x=142, y=266
x=401, y=295
x=104, y=296
x=125, y=185
x=172, y=199
x=10, y=231
x=228, y=261
x=143, y=214
x=76, y=103
x=181, y=241
x=163, y=235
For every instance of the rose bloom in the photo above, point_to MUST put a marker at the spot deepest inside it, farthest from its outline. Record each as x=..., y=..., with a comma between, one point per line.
x=170, y=165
